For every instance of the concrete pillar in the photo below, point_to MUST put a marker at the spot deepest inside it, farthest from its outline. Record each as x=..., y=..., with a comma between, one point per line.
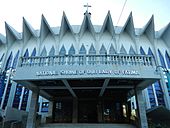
x=29, y=100
x=22, y=94
x=154, y=92
x=143, y=123
x=146, y=96
x=100, y=112
x=40, y=103
x=31, y=120
x=12, y=94
x=75, y=110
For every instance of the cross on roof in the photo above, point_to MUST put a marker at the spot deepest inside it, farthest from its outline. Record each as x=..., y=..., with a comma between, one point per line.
x=87, y=5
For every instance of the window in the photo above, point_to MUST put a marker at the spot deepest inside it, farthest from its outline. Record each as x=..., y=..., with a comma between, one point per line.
x=167, y=59
x=9, y=61
x=44, y=107
x=142, y=52
x=161, y=59
x=33, y=52
x=17, y=96
x=15, y=60
x=26, y=53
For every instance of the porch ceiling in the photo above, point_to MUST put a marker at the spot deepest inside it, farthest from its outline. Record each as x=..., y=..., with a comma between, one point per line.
x=86, y=87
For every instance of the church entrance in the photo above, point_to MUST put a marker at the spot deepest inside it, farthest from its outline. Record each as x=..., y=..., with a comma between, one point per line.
x=87, y=111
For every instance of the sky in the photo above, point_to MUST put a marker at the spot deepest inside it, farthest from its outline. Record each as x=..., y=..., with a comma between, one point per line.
x=13, y=11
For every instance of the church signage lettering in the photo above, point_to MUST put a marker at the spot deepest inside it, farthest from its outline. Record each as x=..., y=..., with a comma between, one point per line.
x=87, y=72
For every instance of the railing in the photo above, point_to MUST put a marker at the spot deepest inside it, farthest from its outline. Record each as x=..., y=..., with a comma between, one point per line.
x=117, y=59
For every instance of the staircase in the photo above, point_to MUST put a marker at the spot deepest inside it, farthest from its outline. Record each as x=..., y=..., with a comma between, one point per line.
x=81, y=125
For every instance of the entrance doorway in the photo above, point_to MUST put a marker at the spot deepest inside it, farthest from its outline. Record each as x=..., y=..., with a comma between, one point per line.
x=63, y=111
x=87, y=111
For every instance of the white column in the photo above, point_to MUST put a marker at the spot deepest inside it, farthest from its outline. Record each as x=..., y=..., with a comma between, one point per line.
x=22, y=94
x=146, y=96
x=155, y=96
x=141, y=109
x=40, y=102
x=29, y=101
x=31, y=120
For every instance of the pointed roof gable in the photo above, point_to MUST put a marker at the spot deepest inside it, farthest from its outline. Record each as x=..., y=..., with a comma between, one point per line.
x=45, y=28
x=2, y=39
x=28, y=31
x=165, y=35
x=149, y=29
x=129, y=26
x=65, y=26
x=108, y=25
x=87, y=25
x=11, y=34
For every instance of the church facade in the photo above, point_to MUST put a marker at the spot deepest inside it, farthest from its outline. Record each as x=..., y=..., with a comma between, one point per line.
x=85, y=73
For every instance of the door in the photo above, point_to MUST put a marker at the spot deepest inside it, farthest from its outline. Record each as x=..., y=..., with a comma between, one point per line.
x=87, y=111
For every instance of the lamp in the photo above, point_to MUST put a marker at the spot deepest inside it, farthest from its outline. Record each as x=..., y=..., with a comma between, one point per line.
x=164, y=69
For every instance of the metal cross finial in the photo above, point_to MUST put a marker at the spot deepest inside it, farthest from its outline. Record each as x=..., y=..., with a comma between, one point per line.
x=87, y=5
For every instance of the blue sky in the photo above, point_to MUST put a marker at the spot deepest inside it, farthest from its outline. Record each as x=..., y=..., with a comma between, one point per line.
x=12, y=12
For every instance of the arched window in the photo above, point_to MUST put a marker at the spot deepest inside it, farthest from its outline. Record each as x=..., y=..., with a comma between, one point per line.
x=52, y=51
x=112, y=50
x=62, y=51
x=82, y=49
x=9, y=61
x=44, y=52
x=26, y=53
x=71, y=50
x=92, y=50
x=103, y=50
x=33, y=52
x=167, y=59
x=15, y=60
x=161, y=59
x=151, y=53
x=142, y=52
x=2, y=57
x=123, y=50
x=131, y=51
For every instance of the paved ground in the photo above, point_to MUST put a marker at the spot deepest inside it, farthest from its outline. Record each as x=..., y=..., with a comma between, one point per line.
x=53, y=125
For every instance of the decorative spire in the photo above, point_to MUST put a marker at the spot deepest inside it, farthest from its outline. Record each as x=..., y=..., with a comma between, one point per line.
x=87, y=10
x=87, y=6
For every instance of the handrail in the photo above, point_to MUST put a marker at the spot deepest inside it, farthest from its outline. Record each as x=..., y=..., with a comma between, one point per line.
x=117, y=59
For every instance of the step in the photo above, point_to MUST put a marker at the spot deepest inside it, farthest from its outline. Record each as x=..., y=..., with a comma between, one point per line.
x=82, y=125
